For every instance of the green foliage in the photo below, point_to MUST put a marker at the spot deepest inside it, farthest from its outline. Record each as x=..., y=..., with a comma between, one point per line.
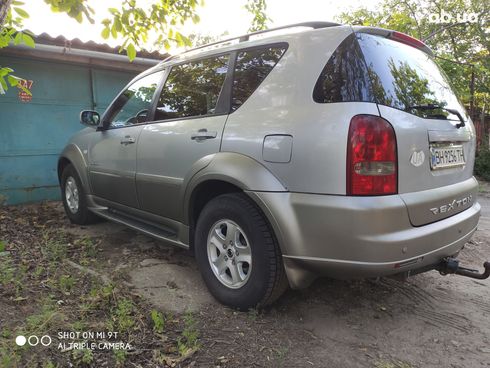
x=66, y=283
x=135, y=21
x=482, y=163
x=190, y=335
x=82, y=357
x=158, y=321
x=76, y=9
x=122, y=315
x=120, y=356
x=53, y=249
x=2, y=246
x=466, y=42
x=260, y=19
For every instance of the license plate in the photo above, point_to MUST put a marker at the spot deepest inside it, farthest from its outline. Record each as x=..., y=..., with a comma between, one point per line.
x=447, y=156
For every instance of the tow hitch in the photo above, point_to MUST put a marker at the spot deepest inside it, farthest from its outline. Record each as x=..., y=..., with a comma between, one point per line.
x=451, y=265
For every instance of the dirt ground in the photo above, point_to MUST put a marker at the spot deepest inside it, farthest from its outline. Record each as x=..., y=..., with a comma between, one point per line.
x=427, y=321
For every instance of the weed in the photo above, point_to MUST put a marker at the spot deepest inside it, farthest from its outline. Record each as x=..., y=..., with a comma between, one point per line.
x=190, y=335
x=6, y=271
x=8, y=359
x=3, y=246
x=53, y=249
x=122, y=315
x=66, y=283
x=38, y=271
x=253, y=313
x=158, y=321
x=89, y=247
x=78, y=326
x=100, y=296
x=41, y=321
x=82, y=356
x=120, y=356
x=49, y=364
x=281, y=354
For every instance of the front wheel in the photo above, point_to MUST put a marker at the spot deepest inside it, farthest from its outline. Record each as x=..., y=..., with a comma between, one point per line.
x=237, y=253
x=73, y=196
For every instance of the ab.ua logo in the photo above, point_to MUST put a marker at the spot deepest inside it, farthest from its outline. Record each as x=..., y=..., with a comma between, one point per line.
x=444, y=17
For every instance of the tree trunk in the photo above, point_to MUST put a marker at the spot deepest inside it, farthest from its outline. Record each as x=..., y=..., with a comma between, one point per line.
x=4, y=9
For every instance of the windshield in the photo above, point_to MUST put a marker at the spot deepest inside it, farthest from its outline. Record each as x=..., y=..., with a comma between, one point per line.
x=406, y=78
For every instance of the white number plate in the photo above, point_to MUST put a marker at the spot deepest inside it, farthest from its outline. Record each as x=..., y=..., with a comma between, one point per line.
x=448, y=156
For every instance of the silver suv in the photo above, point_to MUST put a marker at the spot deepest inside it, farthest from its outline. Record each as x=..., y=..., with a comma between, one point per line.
x=281, y=156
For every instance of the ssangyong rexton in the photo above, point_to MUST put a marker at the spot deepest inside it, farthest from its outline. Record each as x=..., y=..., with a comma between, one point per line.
x=281, y=156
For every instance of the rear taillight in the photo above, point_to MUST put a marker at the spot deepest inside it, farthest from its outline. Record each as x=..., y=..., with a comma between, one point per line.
x=371, y=157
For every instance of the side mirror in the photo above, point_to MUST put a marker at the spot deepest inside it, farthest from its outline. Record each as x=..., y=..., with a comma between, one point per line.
x=90, y=118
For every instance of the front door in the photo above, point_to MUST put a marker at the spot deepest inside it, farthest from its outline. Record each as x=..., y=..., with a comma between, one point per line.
x=189, y=121
x=112, y=154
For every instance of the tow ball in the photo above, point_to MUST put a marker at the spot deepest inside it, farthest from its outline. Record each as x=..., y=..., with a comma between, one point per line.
x=451, y=265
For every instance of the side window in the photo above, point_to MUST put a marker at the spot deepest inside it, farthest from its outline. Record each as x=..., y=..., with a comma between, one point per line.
x=134, y=104
x=192, y=89
x=345, y=77
x=251, y=68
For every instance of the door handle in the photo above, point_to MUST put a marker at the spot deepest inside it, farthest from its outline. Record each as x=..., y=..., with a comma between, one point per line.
x=203, y=134
x=127, y=140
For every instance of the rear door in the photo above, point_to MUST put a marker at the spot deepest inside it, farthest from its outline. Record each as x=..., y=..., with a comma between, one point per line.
x=112, y=153
x=435, y=152
x=189, y=119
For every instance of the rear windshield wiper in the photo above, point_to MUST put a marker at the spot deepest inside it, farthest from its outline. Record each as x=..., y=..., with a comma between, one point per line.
x=438, y=107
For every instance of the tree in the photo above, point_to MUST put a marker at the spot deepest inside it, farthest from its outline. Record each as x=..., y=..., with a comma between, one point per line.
x=133, y=22
x=456, y=30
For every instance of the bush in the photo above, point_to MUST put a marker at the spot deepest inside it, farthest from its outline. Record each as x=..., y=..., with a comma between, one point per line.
x=482, y=163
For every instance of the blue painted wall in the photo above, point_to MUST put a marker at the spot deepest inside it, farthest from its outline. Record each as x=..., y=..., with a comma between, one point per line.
x=32, y=134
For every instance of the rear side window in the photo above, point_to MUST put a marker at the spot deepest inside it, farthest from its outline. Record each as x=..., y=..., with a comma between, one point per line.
x=192, y=89
x=345, y=77
x=252, y=66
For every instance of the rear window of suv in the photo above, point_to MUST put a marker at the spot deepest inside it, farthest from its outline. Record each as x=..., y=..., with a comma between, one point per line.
x=371, y=68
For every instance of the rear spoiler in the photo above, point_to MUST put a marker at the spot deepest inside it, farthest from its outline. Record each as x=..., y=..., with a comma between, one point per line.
x=395, y=36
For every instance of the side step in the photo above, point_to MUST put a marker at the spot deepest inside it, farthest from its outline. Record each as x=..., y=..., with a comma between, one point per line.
x=151, y=229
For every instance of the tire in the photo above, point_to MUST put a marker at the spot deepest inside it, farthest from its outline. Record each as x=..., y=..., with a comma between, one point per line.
x=240, y=284
x=74, y=200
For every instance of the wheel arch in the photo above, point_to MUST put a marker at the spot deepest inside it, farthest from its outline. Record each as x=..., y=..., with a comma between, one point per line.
x=73, y=155
x=229, y=172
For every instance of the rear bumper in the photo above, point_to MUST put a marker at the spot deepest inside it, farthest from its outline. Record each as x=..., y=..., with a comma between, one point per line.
x=347, y=238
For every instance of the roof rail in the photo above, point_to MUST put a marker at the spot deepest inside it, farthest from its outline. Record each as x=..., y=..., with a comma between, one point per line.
x=246, y=37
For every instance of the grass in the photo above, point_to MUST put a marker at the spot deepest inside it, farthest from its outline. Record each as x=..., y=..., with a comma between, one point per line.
x=158, y=321
x=189, y=340
x=52, y=296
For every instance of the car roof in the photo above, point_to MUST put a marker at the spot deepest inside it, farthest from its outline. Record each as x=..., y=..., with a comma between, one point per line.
x=243, y=41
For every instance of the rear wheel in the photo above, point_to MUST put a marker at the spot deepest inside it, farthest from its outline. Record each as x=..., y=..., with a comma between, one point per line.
x=73, y=196
x=237, y=253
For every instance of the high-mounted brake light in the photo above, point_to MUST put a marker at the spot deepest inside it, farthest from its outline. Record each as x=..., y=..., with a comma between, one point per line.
x=406, y=39
x=371, y=157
